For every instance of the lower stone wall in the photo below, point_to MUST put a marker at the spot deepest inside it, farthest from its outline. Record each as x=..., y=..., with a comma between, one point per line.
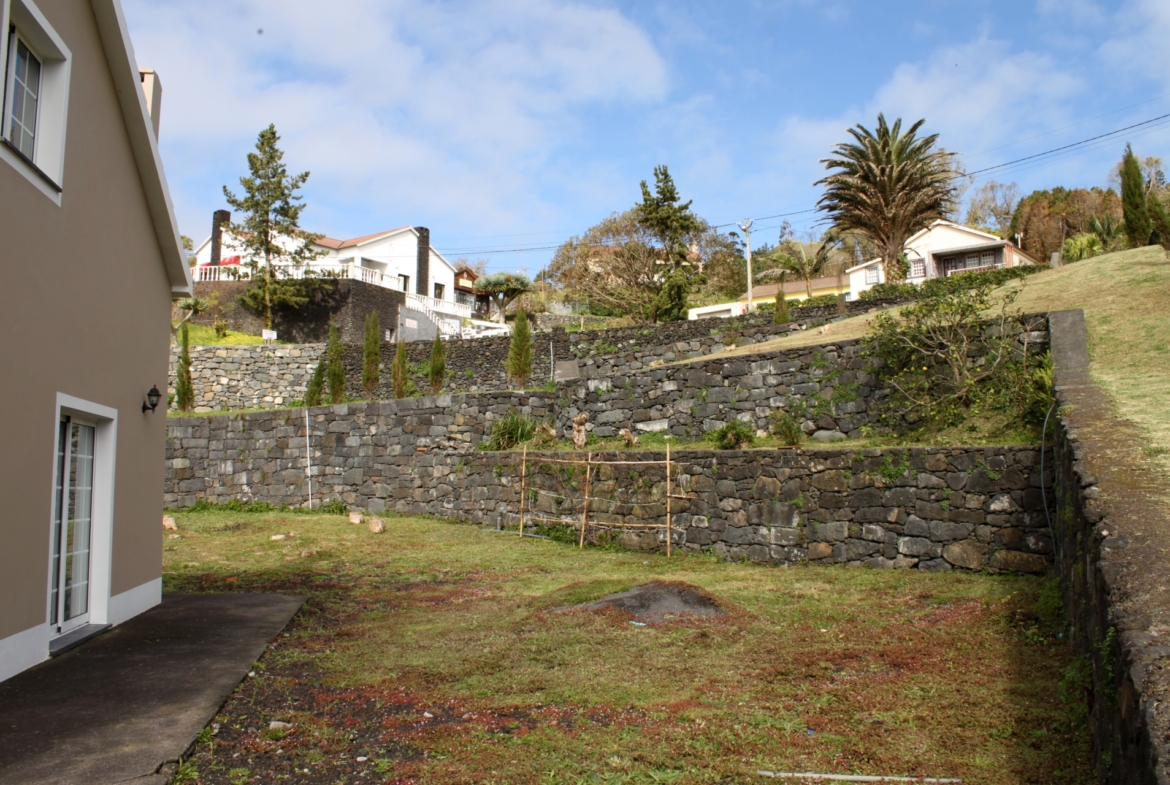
x=930, y=509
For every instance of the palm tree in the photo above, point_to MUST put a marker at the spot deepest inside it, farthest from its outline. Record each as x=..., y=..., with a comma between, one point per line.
x=887, y=186
x=800, y=264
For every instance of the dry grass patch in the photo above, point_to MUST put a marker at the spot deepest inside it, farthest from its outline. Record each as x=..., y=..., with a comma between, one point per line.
x=441, y=653
x=1126, y=300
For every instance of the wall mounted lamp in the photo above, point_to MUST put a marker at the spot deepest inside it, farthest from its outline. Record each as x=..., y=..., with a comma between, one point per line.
x=152, y=399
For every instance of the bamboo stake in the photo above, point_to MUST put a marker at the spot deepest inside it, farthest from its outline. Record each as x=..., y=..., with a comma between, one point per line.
x=668, y=529
x=523, y=487
x=585, y=501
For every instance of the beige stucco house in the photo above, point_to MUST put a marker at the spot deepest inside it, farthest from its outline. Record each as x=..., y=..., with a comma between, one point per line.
x=944, y=248
x=92, y=261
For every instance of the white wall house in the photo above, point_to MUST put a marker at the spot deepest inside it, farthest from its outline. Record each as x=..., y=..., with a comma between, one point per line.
x=389, y=259
x=941, y=249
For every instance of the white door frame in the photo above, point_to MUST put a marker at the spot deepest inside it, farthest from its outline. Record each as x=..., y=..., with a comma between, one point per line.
x=102, y=515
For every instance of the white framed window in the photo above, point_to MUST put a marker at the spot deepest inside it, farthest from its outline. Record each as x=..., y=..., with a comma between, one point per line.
x=917, y=268
x=987, y=259
x=439, y=290
x=873, y=274
x=36, y=96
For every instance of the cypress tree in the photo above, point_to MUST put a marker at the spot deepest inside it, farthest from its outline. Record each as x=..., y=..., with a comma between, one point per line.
x=316, y=385
x=335, y=370
x=184, y=387
x=437, y=371
x=520, y=351
x=1133, y=201
x=400, y=371
x=1160, y=219
x=371, y=355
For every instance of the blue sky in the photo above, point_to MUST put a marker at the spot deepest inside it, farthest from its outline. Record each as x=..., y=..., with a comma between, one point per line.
x=505, y=125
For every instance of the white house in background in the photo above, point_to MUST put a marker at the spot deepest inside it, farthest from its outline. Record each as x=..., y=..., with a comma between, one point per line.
x=941, y=249
x=401, y=259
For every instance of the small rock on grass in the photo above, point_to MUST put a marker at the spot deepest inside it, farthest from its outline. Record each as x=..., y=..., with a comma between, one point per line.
x=169, y=524
x=356, y=517
x=278, y=537
x=278, y=725
x=377, y=525
x=307, y=554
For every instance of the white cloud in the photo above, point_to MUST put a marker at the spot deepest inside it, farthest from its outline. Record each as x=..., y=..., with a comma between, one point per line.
x=1141, y=45
x=1081, y=12
x=398, y=108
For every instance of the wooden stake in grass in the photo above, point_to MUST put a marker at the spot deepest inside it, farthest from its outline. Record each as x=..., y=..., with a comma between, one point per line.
x=585, y=501
x=523, y=487
x=668, y=531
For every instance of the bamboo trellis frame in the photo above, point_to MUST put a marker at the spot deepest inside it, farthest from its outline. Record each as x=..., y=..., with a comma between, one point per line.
x=589, y=463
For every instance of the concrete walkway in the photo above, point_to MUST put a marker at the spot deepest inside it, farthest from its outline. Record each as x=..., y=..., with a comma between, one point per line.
x=119, y=708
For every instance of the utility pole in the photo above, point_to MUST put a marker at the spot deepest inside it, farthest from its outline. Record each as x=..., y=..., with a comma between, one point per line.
x=746, y=226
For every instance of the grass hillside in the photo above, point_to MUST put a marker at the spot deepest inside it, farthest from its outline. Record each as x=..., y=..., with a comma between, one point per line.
x=1126, y=300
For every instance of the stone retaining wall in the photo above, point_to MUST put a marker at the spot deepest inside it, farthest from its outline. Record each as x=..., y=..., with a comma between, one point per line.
x=1110, y=521
x=923, y=508
x=262, y=455
x=833, y=390
x=247, y=377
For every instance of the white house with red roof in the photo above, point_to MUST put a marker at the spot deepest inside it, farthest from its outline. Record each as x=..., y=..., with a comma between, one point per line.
x=401, y=259
x=944, y=248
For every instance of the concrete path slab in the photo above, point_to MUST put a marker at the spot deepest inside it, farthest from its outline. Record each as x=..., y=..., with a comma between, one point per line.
x=119, y=707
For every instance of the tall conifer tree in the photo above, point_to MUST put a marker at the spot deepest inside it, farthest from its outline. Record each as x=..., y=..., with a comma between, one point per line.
x=520, y=351
x=401, y=371
x=269, y=232
x=316, y=387
x=437, y=370
x=371, y=354
x=184, y=386
x=1133, y=201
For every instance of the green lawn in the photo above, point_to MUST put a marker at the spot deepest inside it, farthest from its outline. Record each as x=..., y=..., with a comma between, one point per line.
x=442, y=653
x=201, y=335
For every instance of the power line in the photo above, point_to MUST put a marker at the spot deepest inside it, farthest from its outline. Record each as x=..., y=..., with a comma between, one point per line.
x=1145, y=124
x=1067, y=146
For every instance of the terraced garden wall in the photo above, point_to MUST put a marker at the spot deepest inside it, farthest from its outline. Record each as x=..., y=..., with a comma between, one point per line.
x=229, y=378
x=929, y=509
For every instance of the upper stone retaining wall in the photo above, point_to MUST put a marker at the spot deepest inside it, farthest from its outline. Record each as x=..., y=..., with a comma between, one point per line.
x=247, y=377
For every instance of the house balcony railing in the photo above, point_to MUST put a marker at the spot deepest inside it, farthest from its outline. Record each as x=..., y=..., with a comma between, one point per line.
x=434, y=308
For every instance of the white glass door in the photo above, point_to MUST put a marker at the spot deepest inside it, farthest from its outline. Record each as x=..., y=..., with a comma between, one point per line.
x=72, y=525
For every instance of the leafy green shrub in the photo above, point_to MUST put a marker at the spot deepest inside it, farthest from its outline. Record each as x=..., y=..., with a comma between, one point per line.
x=786, y=427
x=733, y=436
x=221, y=328
x=334, y=507
x=887, y=291
x=511, y=429
x=1082, y=246
x=817, y=302
x=400, y=371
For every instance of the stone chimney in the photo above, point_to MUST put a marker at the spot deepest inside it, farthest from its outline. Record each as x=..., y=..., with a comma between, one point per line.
x=219, y=219
x=152, y=88
x=424, y=261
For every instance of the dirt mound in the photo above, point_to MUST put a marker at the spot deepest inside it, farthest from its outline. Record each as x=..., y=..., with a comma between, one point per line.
x=657, y=602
